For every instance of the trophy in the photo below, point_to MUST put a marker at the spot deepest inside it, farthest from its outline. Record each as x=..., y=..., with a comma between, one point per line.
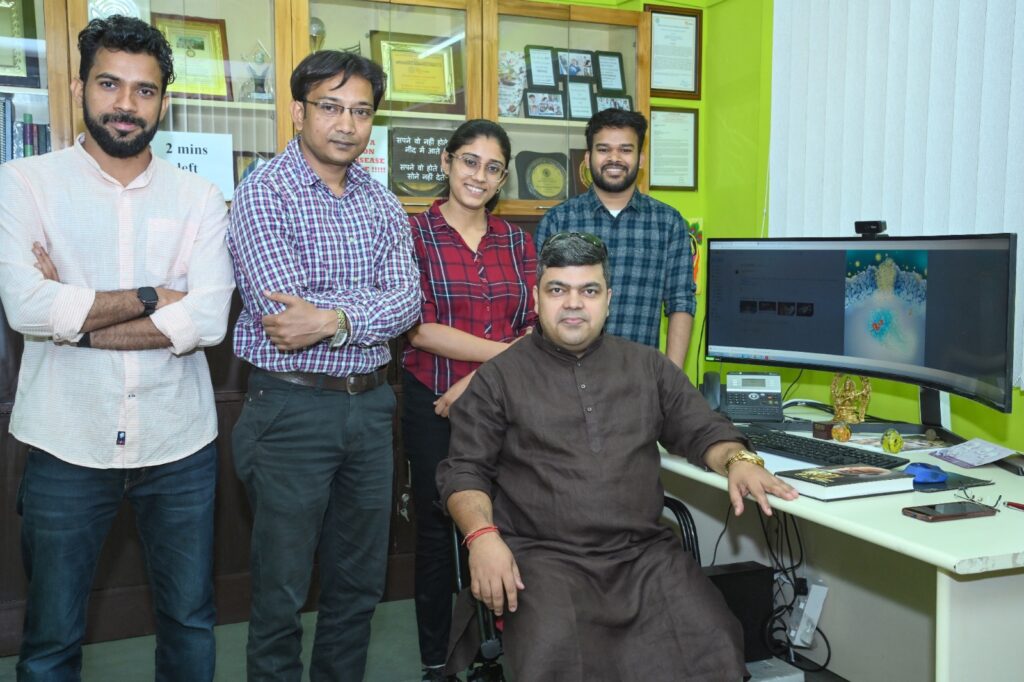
x=317, y=34
x=259, y=87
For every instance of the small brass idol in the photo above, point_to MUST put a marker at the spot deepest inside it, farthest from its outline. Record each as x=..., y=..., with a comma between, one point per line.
x=849, y=401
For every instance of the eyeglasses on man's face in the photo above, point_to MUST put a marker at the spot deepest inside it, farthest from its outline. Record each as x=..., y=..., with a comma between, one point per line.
x=471, y=163
x=591, y=239
x=331, y=109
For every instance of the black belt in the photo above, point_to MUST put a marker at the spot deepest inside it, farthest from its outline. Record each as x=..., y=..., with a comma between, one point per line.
x=353, y=384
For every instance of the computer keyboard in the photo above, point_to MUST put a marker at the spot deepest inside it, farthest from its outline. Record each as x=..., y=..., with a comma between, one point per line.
x=819, y=452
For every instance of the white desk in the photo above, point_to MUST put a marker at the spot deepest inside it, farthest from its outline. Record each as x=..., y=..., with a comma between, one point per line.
x=978, y=564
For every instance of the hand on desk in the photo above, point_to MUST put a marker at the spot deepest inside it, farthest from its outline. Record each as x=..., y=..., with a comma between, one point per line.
x=494, y=572
x=746, y=478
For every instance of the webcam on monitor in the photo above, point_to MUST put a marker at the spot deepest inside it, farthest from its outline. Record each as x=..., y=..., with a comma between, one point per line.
x=869, y=228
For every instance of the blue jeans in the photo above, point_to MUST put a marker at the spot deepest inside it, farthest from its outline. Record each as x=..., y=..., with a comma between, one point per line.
x=66, y=513
x=317, y=466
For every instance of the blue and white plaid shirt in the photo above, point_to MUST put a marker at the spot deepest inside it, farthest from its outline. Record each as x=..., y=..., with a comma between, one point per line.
x=289, y=233
x=648, y=253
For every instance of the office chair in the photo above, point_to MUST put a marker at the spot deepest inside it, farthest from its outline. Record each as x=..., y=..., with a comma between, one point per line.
x=486, y=667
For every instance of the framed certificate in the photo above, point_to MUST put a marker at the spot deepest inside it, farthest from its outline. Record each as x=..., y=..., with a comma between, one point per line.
x=575, y=64
x=544, y=104
x=540, y=67
x=580, y=100
x=19, y=64
x=200, y=48
x=673, y=148
x=423, y=73
x=675, y=51
x=624, y=102
x=610, y=76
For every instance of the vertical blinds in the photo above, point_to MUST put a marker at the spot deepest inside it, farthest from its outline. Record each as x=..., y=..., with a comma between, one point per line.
x=908, y=111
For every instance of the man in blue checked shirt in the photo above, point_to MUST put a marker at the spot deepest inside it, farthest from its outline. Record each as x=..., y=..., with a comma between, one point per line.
x=324, y=264
x=648, y=241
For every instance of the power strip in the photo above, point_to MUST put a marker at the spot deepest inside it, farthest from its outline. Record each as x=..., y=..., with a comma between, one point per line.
x=806, y=613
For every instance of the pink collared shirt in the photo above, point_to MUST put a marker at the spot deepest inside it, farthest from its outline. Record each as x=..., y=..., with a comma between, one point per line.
x=102, y=408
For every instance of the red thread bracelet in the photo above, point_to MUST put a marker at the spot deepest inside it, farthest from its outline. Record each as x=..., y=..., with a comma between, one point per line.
x=478, y=532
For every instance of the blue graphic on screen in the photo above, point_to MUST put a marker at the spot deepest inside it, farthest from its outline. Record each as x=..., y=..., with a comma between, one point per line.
x=886, y=293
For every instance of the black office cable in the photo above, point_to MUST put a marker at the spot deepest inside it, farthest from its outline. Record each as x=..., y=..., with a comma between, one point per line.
x=786, y=553
x=700, y=345
x=792, y=385
x=721, y=535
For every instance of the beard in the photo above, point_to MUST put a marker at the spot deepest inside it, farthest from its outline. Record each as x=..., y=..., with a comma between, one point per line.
x=614, y=186
x=114, y=144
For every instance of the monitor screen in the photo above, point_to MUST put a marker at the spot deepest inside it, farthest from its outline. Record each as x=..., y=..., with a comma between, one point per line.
x=935, y=311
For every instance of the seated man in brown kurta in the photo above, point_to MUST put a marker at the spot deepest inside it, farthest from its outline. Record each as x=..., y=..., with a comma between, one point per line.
x=555, y=446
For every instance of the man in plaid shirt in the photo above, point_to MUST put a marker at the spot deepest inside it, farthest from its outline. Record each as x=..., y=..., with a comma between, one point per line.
x=324, y=264
x=648, y=241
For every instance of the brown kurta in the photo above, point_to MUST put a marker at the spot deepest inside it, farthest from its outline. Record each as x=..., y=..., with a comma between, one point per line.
x=567, y=449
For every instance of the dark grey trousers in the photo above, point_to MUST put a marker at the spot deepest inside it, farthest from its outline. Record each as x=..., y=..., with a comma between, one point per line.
x=317, y=466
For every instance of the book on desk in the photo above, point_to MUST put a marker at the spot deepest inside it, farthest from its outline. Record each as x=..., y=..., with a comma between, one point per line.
x=845, y=481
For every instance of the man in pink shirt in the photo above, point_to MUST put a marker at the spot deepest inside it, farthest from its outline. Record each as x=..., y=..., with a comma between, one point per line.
x=114, y=268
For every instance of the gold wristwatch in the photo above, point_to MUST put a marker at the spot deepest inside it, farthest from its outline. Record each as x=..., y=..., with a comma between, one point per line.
x=744, y=456
x=340, y=336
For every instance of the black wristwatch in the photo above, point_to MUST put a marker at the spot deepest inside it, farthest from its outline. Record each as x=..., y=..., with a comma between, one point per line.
x=149, y=299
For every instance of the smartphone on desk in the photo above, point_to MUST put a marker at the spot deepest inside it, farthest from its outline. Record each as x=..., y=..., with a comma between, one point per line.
x=948, y=511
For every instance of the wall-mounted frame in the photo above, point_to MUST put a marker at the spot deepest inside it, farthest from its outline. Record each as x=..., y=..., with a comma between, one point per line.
x=544, y=104
x=673, y=149
x=602, y=102
x=541, y=72
x=19, y=65
x=246, y=163
x=675, y=51
x=201, y=62
x=422, y=71
x=575, y=64
x=579, y=100
x=610, y=76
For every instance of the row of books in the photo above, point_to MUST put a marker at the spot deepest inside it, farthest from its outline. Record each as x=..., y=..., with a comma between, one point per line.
x=20, y=137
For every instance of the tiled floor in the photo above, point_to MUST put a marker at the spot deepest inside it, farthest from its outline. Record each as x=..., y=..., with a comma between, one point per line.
x=393, y=657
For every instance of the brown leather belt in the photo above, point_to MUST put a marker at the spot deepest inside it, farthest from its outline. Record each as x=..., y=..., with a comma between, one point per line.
x=353, y=384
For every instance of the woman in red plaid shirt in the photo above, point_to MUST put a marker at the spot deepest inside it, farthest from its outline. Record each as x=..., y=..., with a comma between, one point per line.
x=477, y=273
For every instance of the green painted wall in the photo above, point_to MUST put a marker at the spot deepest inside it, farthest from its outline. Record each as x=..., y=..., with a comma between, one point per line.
x=731, y=200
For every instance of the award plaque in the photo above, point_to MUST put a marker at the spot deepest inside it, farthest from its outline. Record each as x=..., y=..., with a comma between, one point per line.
x=581, y=177
x=542, y=176
x=416, y=162
x=423, y=73
x=19, y=64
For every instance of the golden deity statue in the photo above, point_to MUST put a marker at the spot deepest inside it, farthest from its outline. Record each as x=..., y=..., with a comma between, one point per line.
x=850, y=402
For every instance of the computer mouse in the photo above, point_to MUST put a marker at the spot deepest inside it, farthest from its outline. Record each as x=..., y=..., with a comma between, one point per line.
x=925, y=473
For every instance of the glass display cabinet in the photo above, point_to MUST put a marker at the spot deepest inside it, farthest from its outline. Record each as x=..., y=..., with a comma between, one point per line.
x=548, y=69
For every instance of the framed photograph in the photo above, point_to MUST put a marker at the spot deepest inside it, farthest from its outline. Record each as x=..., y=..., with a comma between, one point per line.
x=673, y=149
x=543, y=104
x=424, y=72
x=201, y=61
x=675, y=51
x=580, y=100
x=540, y=67
x=610, y=77
x=624, y=102
x=19, y=63
x=575, y=64
x=246, y=163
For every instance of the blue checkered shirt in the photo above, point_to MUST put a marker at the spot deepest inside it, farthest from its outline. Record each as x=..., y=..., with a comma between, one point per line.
x=290, y=233
x=649, y=257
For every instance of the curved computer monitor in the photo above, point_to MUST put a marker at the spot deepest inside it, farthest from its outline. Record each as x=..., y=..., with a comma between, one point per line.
x=935, y=311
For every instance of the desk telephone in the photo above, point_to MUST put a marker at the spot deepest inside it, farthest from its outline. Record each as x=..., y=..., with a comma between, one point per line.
x=746, y=396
